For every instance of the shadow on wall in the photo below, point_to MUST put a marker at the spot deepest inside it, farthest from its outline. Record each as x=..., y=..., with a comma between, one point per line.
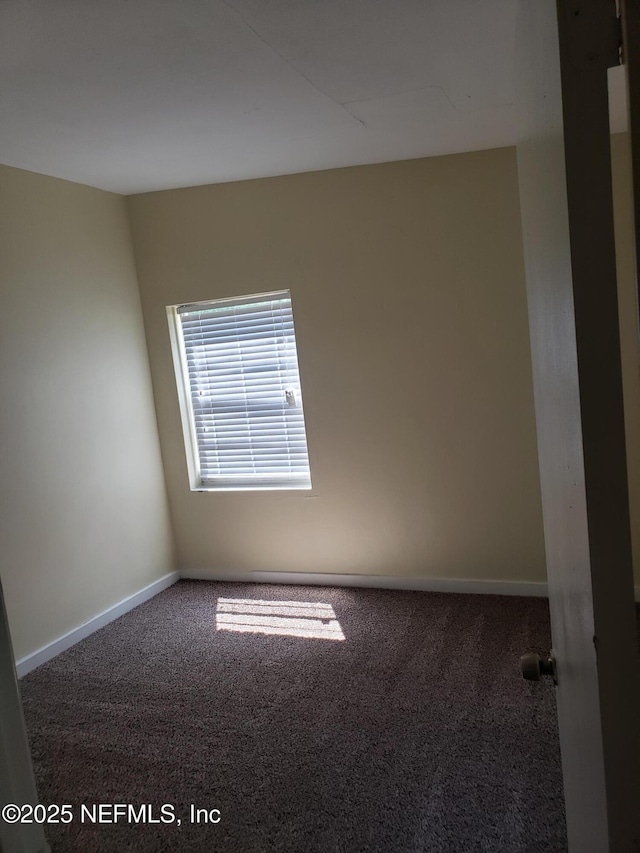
x=308, y=619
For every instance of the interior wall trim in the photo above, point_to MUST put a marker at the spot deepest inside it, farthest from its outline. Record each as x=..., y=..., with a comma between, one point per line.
x=51, y=650
x=481, y=587
x=490, y=587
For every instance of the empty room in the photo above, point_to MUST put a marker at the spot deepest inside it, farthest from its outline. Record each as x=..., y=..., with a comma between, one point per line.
x=320, y=427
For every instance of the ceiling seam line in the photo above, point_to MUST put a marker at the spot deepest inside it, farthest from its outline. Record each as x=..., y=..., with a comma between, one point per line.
x=287, y=62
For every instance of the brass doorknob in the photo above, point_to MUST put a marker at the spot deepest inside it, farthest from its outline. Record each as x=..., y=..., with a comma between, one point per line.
x=534, y=666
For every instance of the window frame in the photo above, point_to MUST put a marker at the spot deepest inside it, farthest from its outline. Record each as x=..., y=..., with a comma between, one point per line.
x=187, y=415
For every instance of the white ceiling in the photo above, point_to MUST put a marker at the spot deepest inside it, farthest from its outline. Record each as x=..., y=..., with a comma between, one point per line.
x=137, y=95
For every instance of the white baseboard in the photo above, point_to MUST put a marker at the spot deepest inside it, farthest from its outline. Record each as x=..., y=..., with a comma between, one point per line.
x=51, y=650
x=487, y=587
x=530, y=588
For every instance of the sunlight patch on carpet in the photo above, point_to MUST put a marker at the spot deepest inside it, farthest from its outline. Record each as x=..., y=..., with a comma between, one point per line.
x=283, y=618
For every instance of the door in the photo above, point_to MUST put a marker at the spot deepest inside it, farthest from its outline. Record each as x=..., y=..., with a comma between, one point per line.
x=630, y=18
x=17, y=785
x=563, y=52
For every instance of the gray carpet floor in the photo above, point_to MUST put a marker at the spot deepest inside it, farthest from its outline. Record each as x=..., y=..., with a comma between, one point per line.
x=414, y=733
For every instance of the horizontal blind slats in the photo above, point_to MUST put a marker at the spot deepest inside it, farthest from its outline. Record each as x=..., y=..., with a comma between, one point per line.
x=257, y=350
x=229, y=327
x=241, y=305
x=242, y=363
x=226, y=385
x=208, y=429
x=257, y=410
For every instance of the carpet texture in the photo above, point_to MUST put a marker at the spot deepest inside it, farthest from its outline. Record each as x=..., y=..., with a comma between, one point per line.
x=414, y=733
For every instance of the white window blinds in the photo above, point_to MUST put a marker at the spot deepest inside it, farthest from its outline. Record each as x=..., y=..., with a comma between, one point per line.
x=242, y=393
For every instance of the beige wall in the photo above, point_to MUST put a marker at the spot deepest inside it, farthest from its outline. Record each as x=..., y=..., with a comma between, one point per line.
x=84, y=520
x=408, y=293
x=409, y=302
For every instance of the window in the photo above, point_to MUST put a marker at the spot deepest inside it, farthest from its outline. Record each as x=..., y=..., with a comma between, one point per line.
x=237, y=373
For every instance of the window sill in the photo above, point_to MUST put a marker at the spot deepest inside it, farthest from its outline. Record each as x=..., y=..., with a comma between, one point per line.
x=210, y=489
